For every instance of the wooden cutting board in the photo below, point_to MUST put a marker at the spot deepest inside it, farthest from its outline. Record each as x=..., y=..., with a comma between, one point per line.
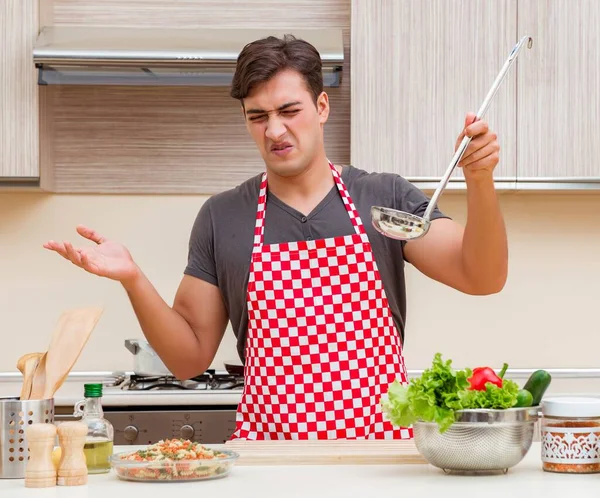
x=326, y=452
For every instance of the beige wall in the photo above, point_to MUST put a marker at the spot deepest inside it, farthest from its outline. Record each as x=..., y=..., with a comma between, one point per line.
x=547, y=316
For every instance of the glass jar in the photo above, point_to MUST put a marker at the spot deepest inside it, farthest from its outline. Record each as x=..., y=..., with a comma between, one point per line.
x=99, y=441
x=570, y=434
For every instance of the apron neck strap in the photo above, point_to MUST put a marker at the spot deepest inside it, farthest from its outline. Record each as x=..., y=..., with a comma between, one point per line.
x=259, y=228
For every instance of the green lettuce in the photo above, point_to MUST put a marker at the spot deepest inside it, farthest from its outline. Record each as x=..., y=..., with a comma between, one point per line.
x=439, y=392
x=493, y=397
x=433, y=397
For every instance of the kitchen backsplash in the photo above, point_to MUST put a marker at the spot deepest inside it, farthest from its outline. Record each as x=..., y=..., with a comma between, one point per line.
x=545, y=317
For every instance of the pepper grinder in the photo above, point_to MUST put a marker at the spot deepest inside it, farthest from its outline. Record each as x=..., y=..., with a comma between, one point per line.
x=72, y=469
x=40, y=471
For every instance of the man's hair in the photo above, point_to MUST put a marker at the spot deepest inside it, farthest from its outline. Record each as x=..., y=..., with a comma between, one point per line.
x=262, y=59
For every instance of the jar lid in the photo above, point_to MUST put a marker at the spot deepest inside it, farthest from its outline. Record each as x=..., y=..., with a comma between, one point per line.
x=571, y=406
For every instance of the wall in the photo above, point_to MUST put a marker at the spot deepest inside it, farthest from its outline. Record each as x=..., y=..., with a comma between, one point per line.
x=547, y=316
x=549, y=303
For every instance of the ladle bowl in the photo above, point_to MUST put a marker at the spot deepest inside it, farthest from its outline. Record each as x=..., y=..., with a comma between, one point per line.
x=398, y=224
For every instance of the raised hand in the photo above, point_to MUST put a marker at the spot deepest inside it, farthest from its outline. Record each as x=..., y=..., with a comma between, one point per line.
x=482, y=154
x=106, y=258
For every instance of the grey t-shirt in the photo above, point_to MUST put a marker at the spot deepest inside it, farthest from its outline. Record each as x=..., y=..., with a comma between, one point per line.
x=222, y=237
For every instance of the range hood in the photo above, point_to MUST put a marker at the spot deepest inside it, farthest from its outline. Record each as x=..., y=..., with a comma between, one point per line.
x=73, y=55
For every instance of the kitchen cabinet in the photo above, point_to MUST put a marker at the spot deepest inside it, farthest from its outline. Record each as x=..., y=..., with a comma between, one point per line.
x=419, y=66
x=417, y=69
x=558, y=93
x=103, y=139
x=18, y=93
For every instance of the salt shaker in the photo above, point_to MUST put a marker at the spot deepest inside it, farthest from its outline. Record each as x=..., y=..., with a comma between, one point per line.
x=72, y=470
x=40, y=471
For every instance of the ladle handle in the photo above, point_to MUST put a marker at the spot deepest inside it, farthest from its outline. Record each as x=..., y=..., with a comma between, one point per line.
x=482, y=110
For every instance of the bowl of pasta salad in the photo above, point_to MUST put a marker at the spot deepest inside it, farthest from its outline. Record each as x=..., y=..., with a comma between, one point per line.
x=173, y=460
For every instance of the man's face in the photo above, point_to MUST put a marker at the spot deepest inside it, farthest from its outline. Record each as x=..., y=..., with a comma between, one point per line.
x=283, y=120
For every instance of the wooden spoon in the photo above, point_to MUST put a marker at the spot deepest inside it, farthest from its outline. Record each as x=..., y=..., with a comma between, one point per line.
x=68, y=340
x=27, y=365
x=39, y=379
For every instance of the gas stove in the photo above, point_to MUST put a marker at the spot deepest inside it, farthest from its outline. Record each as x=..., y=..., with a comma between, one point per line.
x=209, y=381
x=145, y=409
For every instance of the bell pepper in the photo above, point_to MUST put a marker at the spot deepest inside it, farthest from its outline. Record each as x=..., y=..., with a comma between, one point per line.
x=482, y=375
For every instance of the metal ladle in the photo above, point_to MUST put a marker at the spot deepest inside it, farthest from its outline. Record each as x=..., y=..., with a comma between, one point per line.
x=406, y=226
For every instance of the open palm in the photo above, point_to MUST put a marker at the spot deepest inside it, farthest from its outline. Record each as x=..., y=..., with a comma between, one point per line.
x=106, y=259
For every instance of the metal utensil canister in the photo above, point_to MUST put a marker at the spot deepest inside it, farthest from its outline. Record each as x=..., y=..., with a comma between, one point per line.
x=15, y=416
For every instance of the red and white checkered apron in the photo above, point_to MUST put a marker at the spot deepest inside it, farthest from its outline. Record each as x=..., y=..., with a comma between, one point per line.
x=321, y=346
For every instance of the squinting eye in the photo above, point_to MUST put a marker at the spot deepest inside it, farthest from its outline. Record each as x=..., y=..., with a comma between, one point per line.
x=258, y=118
x=289, y=113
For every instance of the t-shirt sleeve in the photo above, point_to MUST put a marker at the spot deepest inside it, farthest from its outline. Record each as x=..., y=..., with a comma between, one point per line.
x=410, y=199
x=201, y=254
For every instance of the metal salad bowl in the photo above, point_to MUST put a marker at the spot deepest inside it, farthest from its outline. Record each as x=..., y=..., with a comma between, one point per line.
x=480, y=441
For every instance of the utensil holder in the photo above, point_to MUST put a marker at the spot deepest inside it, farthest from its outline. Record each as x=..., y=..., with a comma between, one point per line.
x=15, y=416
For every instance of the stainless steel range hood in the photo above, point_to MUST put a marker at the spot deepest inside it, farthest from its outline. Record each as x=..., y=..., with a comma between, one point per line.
x=73, y=55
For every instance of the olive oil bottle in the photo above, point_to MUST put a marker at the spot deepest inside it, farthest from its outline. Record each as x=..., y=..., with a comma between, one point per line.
x=98, y=446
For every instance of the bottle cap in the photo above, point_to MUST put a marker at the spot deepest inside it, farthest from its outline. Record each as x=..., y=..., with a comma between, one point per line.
x=92, y=390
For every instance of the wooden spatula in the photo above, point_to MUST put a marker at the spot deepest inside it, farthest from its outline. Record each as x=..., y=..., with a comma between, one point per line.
x=27, y=365
x=68, y=340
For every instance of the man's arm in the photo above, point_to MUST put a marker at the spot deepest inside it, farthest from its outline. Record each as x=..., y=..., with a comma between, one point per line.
x=186, y=336
x=473, y=260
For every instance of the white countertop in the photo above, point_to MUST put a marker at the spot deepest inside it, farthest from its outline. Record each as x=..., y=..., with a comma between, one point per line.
x=344, y=481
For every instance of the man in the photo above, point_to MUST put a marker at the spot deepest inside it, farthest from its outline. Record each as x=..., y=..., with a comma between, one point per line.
x=315, y=295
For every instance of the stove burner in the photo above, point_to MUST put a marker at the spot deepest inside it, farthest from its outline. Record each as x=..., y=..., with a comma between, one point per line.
x=208, y=381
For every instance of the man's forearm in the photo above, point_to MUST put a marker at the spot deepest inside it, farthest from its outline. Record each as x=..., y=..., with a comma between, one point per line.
x=485, y=247
x=167, y=331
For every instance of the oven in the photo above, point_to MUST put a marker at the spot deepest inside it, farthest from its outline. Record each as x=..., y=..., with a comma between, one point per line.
x=205, y=424
x=141, y=425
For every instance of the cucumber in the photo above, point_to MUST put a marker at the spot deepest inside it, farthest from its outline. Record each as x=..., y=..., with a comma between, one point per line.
x=524, y=398
x=537, y=385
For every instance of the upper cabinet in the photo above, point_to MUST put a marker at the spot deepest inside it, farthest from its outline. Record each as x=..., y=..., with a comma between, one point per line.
x=417, y=69
x=411, y=71
x=18, y=93
x=559, y=93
